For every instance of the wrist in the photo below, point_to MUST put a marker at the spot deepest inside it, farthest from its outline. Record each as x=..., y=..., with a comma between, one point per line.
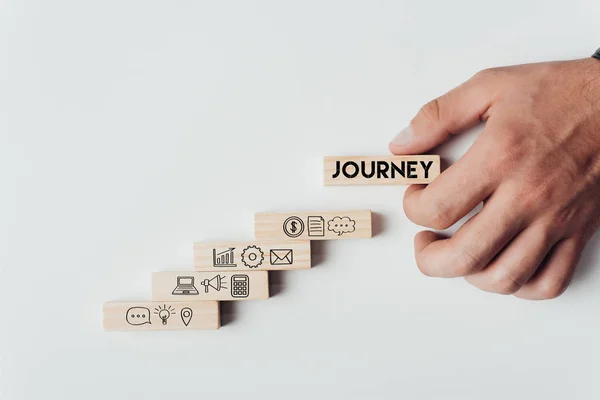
x=589, y=111
x=590, y=81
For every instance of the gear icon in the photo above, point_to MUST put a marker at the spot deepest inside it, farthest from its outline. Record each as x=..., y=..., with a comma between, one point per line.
x=252, y=256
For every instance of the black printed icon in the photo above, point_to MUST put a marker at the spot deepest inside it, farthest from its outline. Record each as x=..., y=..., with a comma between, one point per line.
x=293, y=227
x=224, y=258
x=281, y=256
x=316, y=226
x=240, y=286
x=185, y=286
x=137, y=316
x=217, y=283
x=164, y=312
x=252, y=256
x=341, y=225
x=186, y=315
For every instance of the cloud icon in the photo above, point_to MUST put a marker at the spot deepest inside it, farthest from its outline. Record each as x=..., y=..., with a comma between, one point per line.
x=138, y=316
x=341, y=225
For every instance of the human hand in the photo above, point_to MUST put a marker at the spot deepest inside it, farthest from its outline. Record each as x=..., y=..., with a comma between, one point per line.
x=536, y=168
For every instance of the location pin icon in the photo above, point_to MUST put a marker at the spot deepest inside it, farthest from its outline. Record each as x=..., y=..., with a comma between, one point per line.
x=186, y=315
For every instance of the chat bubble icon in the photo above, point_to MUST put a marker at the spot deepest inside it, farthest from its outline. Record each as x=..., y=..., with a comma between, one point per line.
x=341, y=225
x=138, y=316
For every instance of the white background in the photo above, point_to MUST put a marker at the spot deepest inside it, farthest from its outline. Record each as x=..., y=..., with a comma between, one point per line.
x=130, y=129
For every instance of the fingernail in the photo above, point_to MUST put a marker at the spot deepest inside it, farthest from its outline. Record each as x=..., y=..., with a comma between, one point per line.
x=404, y=137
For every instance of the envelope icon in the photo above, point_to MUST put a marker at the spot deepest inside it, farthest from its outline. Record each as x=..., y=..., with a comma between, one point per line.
x=281, y=256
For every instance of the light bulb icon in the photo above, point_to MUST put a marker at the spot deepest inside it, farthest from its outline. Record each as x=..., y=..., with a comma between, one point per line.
x=164, y=312
x=164, y=316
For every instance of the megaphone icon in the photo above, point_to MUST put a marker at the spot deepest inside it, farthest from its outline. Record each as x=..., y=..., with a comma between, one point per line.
x=216, y=283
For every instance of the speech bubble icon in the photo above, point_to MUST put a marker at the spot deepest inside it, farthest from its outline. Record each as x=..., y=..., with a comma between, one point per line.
x=341, y=225
x=138, y=316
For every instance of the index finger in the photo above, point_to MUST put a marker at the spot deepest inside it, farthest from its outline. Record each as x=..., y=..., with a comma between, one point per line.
x=457, y=191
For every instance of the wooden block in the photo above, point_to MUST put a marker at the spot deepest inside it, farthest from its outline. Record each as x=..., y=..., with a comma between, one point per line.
x=218, y=285
x=316, y=225
x=257, y=255
x=382, y=170
x=161, y=316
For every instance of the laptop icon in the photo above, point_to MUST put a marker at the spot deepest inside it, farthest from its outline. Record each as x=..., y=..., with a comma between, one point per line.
x=185, y=285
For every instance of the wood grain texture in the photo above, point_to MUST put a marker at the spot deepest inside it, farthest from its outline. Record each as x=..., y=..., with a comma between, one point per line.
x=380, y=170
x=314, y=225
x=251, y=255
x=150, y=315
x=218, y=285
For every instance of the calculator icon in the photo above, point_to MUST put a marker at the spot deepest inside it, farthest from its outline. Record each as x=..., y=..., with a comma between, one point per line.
x=240, y=286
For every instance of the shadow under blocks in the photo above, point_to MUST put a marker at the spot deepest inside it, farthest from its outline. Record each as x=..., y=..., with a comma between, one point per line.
x=377, y=223
x=228, y=312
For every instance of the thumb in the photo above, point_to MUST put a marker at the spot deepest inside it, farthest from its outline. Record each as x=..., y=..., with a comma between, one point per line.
x=461, y=108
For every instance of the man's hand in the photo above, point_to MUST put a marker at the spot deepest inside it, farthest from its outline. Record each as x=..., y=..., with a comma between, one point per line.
x=536, y=168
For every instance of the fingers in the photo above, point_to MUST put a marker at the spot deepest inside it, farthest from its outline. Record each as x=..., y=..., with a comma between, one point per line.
x=473, y=246
x=457, y=191
x=555, y=274
x=455, y=111
x=517, y=263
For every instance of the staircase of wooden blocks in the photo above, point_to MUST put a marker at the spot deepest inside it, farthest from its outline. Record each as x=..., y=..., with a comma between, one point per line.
x=236, y=271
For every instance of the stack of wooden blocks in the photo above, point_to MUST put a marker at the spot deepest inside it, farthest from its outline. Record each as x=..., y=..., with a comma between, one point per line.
x=232, y=271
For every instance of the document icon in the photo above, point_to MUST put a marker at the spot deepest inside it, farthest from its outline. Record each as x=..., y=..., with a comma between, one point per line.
x=281, y=257
x=316, y=226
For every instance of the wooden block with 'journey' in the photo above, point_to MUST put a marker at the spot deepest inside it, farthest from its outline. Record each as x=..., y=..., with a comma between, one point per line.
x=317, y=225
x=218, y=285
x=383, y=170
x=161, y=316
x=255, y=255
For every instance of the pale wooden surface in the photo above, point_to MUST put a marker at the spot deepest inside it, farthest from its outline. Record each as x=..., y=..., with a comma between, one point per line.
x=164, y=283
x=383, y=174
x=252, y=255
x=315, y=225
x=148, y=315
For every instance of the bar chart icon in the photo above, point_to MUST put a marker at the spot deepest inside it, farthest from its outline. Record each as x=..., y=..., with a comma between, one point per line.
x=224, y=258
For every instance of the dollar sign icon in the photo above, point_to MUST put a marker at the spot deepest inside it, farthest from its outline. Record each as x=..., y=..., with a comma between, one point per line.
x=293, y=227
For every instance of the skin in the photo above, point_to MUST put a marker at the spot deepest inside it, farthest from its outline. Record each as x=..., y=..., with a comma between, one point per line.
x=536, y=168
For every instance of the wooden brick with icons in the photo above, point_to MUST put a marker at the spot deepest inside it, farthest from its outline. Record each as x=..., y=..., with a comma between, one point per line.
x=314, y=225
x=252, y=255
x=380, y=170
x=160, y=316
x=217, y=285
